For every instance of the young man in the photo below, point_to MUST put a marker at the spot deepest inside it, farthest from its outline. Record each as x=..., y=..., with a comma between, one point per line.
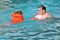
x=42, y=14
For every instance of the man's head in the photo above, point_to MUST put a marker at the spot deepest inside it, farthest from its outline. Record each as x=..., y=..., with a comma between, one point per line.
x=42, y=9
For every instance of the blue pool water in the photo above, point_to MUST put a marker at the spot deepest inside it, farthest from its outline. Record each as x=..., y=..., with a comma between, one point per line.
x=48, y=29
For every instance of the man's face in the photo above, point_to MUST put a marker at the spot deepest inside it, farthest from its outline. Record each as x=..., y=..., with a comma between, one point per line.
x=41, y=11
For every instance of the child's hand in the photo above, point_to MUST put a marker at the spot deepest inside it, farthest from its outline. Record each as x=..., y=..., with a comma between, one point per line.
x=8, y=24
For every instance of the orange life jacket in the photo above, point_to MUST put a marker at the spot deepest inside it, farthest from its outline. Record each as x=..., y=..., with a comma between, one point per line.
x=16, y=18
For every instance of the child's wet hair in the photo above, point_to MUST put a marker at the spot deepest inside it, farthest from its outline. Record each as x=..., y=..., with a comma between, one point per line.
x=18, y=12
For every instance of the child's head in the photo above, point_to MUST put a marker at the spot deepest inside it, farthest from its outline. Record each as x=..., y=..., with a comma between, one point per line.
x=18, y=12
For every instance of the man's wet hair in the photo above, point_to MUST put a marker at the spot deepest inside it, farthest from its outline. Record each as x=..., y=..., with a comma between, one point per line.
x=43, y=7
x=18, y=12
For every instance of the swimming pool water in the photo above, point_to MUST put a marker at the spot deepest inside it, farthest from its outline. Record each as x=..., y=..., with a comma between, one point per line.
x=48, y=29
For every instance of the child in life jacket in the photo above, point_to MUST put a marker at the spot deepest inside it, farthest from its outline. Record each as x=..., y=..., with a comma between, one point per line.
x=17, y=17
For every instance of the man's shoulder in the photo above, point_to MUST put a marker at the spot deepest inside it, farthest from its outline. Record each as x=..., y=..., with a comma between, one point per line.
x=47, y=13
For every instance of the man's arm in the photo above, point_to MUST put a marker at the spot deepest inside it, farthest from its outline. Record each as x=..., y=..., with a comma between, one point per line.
x=33, y=18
